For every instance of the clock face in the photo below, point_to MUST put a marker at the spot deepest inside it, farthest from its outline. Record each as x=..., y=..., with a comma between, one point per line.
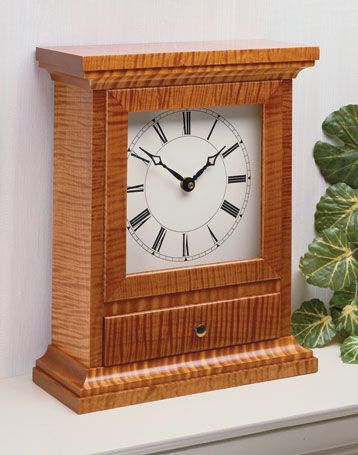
x=193, y=187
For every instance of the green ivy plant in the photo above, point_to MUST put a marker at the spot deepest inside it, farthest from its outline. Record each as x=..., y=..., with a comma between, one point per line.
x=332, y=258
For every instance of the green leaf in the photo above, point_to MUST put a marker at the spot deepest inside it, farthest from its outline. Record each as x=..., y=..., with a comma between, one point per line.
x=337, y=208
x=349, y=350
x=342, y=298
x=346, y=320
x=340, y=163
x=330, y=260
x=340, y=332
x=312, y=326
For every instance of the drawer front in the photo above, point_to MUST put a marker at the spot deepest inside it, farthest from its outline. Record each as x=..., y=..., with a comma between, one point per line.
x=161, y=333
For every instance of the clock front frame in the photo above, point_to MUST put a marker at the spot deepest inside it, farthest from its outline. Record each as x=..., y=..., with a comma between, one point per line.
x=119, y=285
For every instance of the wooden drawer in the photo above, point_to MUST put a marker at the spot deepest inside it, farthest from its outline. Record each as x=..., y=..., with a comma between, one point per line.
x=166, y=332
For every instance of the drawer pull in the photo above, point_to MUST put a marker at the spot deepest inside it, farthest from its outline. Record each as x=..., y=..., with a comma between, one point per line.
x=200, y=330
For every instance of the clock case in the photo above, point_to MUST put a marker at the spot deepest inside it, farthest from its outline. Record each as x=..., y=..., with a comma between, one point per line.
x=121, y=339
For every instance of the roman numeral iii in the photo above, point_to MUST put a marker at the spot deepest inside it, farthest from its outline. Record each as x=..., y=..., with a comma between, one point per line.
x=159, y=239
x=229, y=208
x=236, y=179
x=187, y=122
x=140, y=219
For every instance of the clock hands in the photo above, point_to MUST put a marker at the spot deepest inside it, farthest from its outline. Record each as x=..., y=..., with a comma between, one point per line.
x=156, y=159
x=186, y=183
x=210, y=162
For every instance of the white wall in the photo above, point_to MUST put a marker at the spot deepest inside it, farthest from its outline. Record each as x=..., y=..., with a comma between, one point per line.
x=26, y=121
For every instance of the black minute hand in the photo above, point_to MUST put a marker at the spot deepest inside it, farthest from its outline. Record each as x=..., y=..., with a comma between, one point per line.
x=209, y=162
x=158, y=162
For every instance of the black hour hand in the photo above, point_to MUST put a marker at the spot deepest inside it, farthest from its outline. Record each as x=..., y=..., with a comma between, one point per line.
x=157, y=161
x=209, y=162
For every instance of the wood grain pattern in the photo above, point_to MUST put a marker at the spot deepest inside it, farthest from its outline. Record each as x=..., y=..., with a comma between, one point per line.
x=159, y=64
x=192, y=297
x=120, y=286
x=88, y=390
x=286, y=240
x=153, y=334
x=78, y=208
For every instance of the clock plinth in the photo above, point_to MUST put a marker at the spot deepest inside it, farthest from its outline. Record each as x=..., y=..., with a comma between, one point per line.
x=122, y=338
x=94, y=389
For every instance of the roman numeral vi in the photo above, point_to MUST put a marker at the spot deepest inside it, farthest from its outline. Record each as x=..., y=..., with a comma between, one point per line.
x=185, y=245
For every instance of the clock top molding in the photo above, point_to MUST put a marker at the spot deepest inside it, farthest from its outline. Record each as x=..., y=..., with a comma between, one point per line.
x=102, y=67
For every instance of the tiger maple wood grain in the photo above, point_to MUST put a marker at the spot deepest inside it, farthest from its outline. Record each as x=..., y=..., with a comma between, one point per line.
x=169, y=332
x=286, y=208
x=78, y=210
x=158, y=64
x=192, y=297
x=118, y=285
x=107, y=387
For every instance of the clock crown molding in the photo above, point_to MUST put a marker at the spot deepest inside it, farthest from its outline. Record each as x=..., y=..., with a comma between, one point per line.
x=102, y=67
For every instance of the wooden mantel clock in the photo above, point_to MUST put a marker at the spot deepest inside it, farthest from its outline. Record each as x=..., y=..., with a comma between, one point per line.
x=172, y=220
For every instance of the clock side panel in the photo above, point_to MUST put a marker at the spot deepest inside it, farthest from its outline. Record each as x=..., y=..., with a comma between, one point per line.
x=78, y=233
x=287, y=210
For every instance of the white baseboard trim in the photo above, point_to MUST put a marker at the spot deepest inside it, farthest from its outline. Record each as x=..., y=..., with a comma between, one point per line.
x=352, y=449
x=331, y=437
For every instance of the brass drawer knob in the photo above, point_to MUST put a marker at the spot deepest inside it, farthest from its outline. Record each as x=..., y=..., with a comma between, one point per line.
x=200, y=330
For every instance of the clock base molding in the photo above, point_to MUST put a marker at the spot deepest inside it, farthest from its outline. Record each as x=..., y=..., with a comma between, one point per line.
x=92, y=389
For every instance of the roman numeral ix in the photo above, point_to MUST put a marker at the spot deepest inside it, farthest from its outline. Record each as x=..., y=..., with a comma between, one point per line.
x=138, y=157
x=230, y=209
x=160, y=132
x=140, y=219
x=187, y=122
x=135, y=189
x=159, y=239
x=236, y=178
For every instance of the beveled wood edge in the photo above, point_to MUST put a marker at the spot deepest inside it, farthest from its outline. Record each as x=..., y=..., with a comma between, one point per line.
x=171, y=389
x=198, y=296
x=168, y=54
x=108, y=317
x=82, y=381
x=147, y=64
x=173, y=76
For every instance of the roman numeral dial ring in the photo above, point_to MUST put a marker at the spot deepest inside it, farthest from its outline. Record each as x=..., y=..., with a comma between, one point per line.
x=188, y=185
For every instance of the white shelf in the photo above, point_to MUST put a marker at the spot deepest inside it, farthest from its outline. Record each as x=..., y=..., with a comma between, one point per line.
x=33, y=422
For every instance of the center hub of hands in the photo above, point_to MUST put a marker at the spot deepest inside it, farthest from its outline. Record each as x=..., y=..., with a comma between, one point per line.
x=188, y=184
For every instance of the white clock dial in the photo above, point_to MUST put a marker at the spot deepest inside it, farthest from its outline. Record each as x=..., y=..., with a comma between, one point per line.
x=188, y=188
